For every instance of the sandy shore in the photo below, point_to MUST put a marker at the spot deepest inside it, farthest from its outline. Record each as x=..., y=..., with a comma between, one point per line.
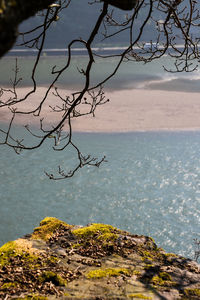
x=127, y=110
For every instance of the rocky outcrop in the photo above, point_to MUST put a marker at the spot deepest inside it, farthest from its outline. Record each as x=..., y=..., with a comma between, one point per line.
x=98, y=261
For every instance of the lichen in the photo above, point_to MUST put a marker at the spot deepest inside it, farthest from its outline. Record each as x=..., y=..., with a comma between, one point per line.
x=108, y=272
x=66, y=294
x=9, y=285
x=136, y=272
x=49, y=276
x=139, y=296
x=77, y=245
x=151, y=244
x=148, y=266
x=147, y=255
x=32, y=297
x=47, y=228
x=163, y=279
x=192, y=292
x=170, y=255
x=152, y=239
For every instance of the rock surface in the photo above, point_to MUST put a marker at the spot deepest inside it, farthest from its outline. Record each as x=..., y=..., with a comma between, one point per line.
x=93, y=262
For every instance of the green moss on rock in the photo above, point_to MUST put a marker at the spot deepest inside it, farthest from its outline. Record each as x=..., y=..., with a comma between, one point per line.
x=6, y=251
x=108, y=272
x=16, y=248
x=139, y=296
x=47, y=228
x=9, y=285
x=105, y=234
x=49, y=276
x=60, y=260
x=147, y=255
x=108, y=236
x=94, y=229
x=162, y=279
x=192, y=292
x=33, y=297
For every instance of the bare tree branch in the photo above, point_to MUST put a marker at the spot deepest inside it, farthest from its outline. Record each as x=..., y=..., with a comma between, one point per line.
x=177, y=19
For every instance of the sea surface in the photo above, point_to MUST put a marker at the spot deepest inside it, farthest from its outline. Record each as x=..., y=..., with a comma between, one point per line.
x=149, y=185
x=130, y=75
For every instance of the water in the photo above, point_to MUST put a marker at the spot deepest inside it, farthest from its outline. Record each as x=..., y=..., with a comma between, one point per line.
x=150, y=185
x=130, y=75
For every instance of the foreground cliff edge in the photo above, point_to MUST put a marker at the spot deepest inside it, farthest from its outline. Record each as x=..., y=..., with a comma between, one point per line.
x=94, y=262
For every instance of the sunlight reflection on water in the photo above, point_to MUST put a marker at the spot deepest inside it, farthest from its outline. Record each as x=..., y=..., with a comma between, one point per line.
x=149, y=186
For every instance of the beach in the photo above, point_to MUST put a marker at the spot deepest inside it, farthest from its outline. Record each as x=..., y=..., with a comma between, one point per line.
x=144, y=110
x=126, y=111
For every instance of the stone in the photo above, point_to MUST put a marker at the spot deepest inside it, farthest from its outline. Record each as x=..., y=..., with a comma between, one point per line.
x=97, y=261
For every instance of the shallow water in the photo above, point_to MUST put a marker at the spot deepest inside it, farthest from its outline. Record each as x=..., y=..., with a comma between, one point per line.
x=150, y=185
x=130, y=75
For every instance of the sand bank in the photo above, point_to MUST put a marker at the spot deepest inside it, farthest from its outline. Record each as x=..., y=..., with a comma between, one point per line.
x=127, y=110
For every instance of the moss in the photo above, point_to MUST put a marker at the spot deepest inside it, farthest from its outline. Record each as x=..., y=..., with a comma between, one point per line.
x=47, y=227
x=49, y=276
x=149, y=266
x=23, y=251
x=139, y=296
x=52, y=259
x=93, y=230
x=17, y=248
x=170, y=255
x=136, y=272
x=147, y=255
x=163, y=279
x=155, y=254
x=109, y=272
x=108, y=236
x=151, y=244
x=152, y=239
x=165, y=276
x=9, y=285
x=77, y=245
x=192, y=292
x=32, y=297
x=6, y=251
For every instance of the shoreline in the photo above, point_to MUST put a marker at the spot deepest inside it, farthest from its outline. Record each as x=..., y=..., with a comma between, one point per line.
x=136, y=110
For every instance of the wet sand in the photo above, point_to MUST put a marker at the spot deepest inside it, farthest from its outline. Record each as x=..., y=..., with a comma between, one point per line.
x=127, y=110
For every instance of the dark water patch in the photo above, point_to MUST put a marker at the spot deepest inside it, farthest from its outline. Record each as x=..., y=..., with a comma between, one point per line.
x=130, y=75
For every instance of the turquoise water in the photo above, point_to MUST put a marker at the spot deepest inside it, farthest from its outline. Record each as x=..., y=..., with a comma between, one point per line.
x=150, y=185
x=130, y=75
